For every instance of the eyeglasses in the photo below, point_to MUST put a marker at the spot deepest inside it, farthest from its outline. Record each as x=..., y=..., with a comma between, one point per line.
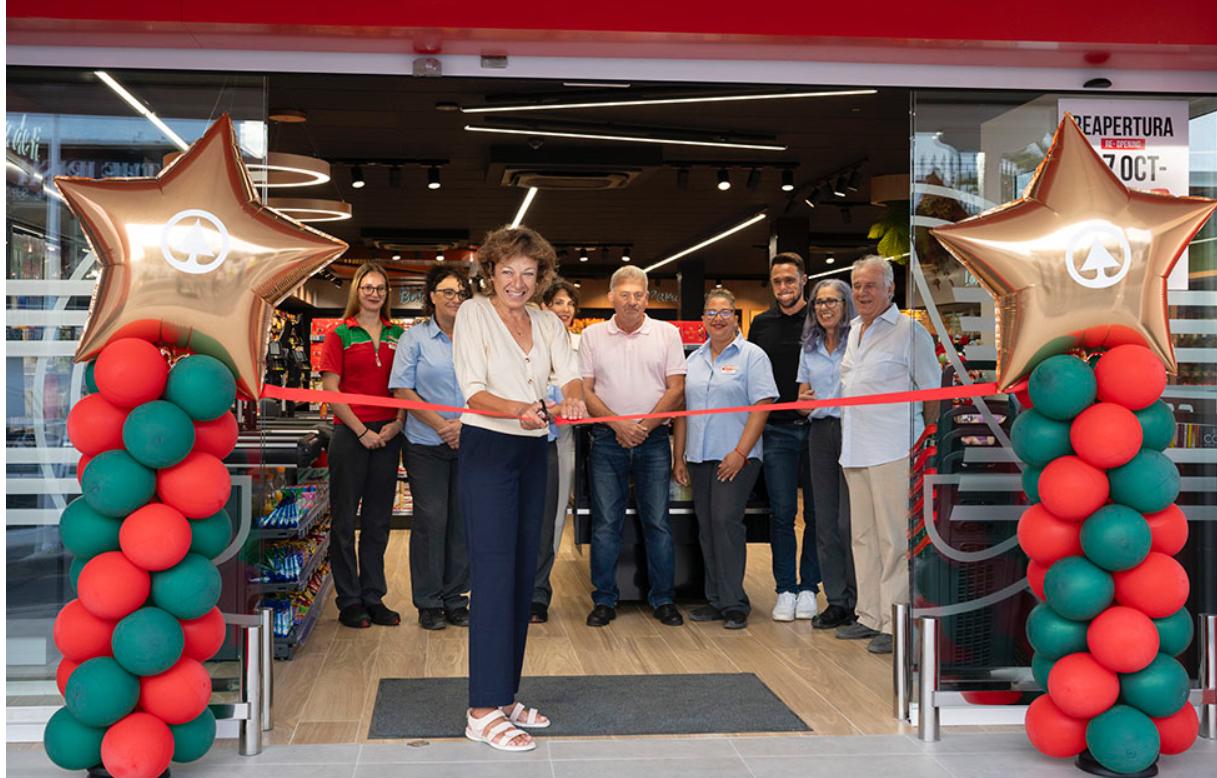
x=829, y=303
x=452, y=294
x=369, y=289
x=722, y=313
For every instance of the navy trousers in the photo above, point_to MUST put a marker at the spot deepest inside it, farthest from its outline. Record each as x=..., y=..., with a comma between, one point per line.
x=502, y=480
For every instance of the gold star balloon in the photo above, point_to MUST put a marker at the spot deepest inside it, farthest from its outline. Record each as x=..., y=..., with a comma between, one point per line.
x=191, y=259
x=1079, y=262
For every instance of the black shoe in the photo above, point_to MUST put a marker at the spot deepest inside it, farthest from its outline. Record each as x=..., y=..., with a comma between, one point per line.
x=706, y=613
x=601, y=615
x=540, y=613
x=431, y=618
x=833, y=616
x=355, y=616
x=383, y=616
x=457, y=617
x=668, y=615
x=735, y=619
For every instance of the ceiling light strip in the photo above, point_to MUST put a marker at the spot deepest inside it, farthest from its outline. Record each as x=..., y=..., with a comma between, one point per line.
x=528, y=198
x=626, y=138
x=716, y=238
x=141, y=109
x=663, y=101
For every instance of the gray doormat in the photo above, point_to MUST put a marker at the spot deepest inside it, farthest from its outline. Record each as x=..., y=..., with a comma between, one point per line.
x=581, y=705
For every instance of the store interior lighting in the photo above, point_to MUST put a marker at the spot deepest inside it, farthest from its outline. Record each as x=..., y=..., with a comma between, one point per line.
x=357, y=180
x=433, y=178
x=281, y=170
x=609, y=133
x=788, y=180
x=311, y=210
x=529, y=196
x=751, y=220
x=141, y=109
x=724, y=180
x=396, y=256
x=583, y=255
x=559, y=105
x=625, y=255
x=839, y=186
x=439, y=256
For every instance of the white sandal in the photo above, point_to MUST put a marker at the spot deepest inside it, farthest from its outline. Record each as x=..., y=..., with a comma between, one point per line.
x=499, y=736
x=529, y=721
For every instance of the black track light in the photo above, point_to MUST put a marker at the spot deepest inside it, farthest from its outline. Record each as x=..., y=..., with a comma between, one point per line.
x=357, y=181
x=855, y=178
x=433, y=177
x=754, y=179
x=838, y=187
x=625, y=254
x=583, y=255
x=724, y=180
x=787, y=180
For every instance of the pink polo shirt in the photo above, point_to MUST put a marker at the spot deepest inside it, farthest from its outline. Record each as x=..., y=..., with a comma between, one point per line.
x=631, y=369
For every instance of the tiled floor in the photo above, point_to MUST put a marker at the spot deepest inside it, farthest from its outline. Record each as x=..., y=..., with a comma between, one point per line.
x=957, y=755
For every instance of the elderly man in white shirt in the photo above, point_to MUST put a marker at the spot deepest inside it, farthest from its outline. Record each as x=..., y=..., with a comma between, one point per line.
x=886, y=352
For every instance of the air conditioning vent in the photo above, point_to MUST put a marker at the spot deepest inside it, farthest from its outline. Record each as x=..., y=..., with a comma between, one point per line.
x=569, y=180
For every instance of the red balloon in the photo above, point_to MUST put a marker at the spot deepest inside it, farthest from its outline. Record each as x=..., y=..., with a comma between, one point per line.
x=96, y=425
x=1130, y=376
x=1157, y=587
x=1179, y=730
x=1169, y=530
x=111, y=587
x=79, y=635
x=130, y=372
x=1053, y=733
x=138, y=746
x=177, y=695
x=1122, y=639
x=204, y=635
x=217, y=437
x=1081, y=687
x=1035, y=578
x=81, y=464
x=1106, y=435
x=63, y=673
x=1045, y=538
x=198, y=486
x=155, y=537
x=1071, y=489
x=1022, y=391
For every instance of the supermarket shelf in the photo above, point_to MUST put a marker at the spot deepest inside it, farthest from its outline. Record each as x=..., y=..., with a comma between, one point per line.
x=311, y=519
x=302, y=580
x=285, y=648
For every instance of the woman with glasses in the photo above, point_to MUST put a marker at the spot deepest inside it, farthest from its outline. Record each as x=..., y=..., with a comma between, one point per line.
x=507, y=352
x=364, y=449
x=423, y=372
x=723, y=453
x=824, y=337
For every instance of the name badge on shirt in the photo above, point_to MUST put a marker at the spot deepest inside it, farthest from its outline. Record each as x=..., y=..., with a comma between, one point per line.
x=729, y=369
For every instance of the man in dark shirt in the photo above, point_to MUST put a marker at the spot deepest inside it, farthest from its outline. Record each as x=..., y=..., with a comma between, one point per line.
x=779, y=331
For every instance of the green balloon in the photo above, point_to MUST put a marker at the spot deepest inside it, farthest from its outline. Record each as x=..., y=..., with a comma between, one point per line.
x=1076, y=589
x=192, y=739
x=1116, y=538
x=1158, y=690
x=114, y=484
x=1054, y=636
x=158, y=434
x=1038, y=439
x=210, y=536
x=148, y=642
x=1147, y=484
x=100, y=692
x=1174, y=632
x=1040, y=667
x=74, y=569
x=1031, y=483
x=188, y=589
x=85, y=532
x=202, y=387
x=90, y=379
x=1061, y=387
x=70, y=744
x=1123, y=739
x=1157, y=426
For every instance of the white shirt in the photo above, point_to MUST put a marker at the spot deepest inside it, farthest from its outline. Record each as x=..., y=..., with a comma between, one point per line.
x=895, y=355
x=488, y=359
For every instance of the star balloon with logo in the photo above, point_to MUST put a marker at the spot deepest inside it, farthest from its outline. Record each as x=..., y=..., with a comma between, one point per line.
x=192, y=259
x=1079, y=262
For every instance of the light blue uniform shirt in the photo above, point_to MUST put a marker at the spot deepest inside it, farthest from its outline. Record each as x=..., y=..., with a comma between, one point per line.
x=822, y=372
x=424, y=363
x=554, y=395
x=742, y=375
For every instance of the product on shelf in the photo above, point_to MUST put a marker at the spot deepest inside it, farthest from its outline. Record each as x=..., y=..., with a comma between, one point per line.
x=292, y=608
x=285, y=561
x=296, y=506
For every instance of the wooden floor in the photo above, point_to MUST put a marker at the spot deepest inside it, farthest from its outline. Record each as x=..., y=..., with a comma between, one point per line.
x=326, y=694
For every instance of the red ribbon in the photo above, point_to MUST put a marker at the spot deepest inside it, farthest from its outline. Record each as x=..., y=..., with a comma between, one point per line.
x=919, y=395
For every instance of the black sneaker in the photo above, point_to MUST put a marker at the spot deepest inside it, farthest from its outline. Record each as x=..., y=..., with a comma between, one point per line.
x=457, y=617
x=734, y=619
x=431, y=618
x=706, y=613
x=355, y=616
x=383, y=616
x=601, y=615
x=833, y=616
x=668, y=615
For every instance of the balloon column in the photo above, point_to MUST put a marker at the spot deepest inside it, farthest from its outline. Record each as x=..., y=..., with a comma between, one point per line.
x=173, y=340
x=1078, y=267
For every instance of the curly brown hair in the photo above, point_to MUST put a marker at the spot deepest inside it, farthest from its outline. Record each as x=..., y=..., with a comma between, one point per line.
x=508, y=242
x=437, y=274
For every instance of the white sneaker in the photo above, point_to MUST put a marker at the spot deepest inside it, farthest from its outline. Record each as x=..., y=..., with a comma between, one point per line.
x=784, y=610
x=808, y=606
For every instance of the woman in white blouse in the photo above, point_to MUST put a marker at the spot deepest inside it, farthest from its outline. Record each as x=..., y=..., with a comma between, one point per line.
x=506, y=353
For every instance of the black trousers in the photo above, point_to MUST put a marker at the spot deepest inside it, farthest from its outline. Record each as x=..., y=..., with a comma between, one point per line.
x=834, y=543
x=542, y=591
x=362, y=481
x=502, y=482
x=720, y=531
x=439, y=560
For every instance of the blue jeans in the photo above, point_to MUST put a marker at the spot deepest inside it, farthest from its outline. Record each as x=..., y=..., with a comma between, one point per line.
x=650, y=465
x=787, y=467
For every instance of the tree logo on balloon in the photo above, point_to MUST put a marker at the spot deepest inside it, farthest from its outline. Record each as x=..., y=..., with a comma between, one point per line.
x=1093, y=238
x=193, y=241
